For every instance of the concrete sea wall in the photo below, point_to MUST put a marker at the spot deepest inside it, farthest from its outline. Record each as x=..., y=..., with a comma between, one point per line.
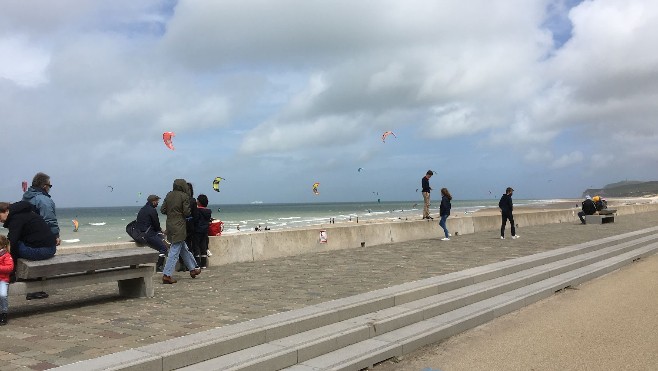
x=255, y=246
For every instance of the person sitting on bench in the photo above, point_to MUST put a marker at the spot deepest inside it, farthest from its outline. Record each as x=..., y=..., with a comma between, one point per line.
x=589, y=208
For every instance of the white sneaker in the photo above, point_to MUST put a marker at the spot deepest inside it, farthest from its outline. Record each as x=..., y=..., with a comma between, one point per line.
x=502, y=238
x=515, y=237
x=445, y=239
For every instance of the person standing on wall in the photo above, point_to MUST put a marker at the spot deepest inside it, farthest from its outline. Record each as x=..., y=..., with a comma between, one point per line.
x=425, y=183
x=506, y=206
x=176, y=206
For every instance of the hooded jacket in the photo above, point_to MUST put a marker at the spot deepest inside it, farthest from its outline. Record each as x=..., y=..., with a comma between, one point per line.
x=176, y=207
x=45, y=206
x=505, y=204
x=26, y=226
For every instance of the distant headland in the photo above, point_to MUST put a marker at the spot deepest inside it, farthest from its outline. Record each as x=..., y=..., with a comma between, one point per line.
x=626, y=188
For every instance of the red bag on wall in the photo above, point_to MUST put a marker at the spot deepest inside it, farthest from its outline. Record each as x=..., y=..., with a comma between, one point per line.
x=215, y=228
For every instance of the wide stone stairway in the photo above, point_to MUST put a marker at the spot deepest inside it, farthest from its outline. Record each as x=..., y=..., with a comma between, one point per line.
x=359, y=331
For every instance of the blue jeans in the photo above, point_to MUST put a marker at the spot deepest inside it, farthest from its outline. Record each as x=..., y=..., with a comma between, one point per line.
x=35, y=253
x=178, y=249
x=4, y=301
x=442, y=223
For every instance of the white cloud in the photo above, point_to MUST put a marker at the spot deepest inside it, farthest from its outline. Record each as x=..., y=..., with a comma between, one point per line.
x=23, y=63
x=566, y=160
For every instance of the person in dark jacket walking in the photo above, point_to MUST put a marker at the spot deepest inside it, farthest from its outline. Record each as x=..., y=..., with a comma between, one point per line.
x=148, y=222
x=444, y=212
x=506, y=207
x=589, y=208
x=190, y=223
x=176, y=207
x=204, y=215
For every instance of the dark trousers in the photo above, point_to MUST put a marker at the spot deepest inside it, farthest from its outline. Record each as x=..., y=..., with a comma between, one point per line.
x=510, y=217
x=581, y=215
x=200, y=244
x=156, y=243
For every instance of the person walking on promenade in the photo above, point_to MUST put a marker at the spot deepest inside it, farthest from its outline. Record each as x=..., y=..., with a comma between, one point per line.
x=6, y=267
x=148, y=222
x=425, y=183
x=201, y=231
x=506, y=206
x=589, y=208
x=444, y=212
x=176, y=207
x=190, y=224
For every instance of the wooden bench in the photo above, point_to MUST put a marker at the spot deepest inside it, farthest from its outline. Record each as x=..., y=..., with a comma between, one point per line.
x=131, y=268
x=602, y=217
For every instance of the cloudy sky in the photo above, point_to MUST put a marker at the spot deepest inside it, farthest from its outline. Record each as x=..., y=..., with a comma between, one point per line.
x=548, y=96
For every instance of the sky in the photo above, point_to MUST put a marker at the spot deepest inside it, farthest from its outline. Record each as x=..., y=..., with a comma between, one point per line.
x=549, y=96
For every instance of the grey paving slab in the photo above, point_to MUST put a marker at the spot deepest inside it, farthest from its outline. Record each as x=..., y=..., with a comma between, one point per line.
x=93, y=321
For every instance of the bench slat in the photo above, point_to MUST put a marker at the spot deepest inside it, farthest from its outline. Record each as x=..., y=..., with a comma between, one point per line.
x=83, y=262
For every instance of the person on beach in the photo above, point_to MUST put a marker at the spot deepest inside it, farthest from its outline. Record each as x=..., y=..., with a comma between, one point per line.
x=6, y=267
x=425, y=183
x=444, y=212
x=148, y=222
x=29, y=235
x=589, y=208
x=176, y=207
x=204, y=216
x=506, y=206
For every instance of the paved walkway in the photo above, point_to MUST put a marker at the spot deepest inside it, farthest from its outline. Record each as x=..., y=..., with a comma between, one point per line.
x=93, y=321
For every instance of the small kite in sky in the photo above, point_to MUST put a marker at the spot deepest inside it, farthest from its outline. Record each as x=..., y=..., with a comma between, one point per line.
x=386, y=134
x=167, y=138
x=359, y=169
x=111, y=188
x=24, y=185
x=215, y=183
x=315, y=188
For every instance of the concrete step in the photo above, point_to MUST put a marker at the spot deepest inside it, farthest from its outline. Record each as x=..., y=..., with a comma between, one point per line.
x=432, y=330
x=287, y=338
x=314, y=343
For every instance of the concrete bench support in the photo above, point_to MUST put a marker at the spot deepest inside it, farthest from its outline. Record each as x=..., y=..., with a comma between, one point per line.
x=599, y=219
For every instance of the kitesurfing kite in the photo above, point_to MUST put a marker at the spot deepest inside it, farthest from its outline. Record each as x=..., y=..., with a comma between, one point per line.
x=215, y=183
x=111, y=188
x=24, y=186
x=359, y=169
x=387, y=133
x=166, y=137
x=315, y=188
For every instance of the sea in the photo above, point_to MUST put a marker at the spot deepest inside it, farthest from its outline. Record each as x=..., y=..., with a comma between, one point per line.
x=108, y=224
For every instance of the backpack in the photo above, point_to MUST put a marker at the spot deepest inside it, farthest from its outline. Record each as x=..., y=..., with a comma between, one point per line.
x=136, y=234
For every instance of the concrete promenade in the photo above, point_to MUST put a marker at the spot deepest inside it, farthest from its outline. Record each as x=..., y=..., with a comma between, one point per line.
x=94, y=321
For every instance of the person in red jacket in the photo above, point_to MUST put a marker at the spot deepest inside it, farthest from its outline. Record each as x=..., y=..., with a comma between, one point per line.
x=6, y=267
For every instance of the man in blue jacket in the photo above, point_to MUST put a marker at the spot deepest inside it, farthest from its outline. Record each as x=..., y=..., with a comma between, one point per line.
x=39, y=196
x=148, y=222
x=506, y=206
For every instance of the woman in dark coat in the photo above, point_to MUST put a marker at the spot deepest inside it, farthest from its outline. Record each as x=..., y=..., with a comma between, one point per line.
x=176, y=207
x=444, y=212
